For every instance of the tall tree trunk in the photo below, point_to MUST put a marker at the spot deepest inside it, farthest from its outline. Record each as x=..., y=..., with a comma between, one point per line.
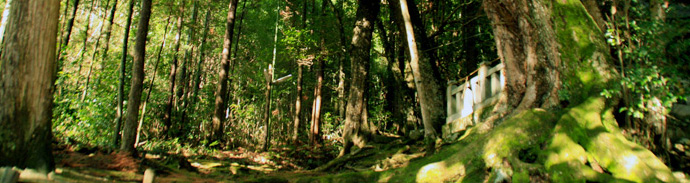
x=130, y=129
x=187, y=61
x=315, y=127
x=298, y=103
x=111, y=19
x=65, y=40
x=428, y=88
x=93, y=56
x=267, y=109
x=222, y=90
x=202, y=57
x=169, y=106
x=155, y=70
x=121, y=84
x=393, y=81
x=85, y=42
x=233, y=85
x=353, y=133
x=27, y=77
x=340, y=89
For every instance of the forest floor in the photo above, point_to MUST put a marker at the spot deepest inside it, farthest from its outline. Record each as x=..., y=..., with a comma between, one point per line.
x=281, y=164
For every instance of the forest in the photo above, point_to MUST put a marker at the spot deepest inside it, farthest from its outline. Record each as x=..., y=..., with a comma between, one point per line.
x=344, y=91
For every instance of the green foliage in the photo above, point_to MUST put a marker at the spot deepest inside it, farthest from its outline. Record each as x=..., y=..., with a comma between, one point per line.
x=651, y=75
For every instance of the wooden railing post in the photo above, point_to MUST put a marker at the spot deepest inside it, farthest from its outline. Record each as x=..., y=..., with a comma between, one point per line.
x=481, y=90
x=495, y=84
x=449, y=99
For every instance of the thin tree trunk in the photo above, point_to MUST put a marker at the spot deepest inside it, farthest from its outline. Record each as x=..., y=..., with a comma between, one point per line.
x=235, y=64
x=169, y=106
x=222, y=90
x=188, y=60
x=298, y=103
x=130, y=128
x=27, y=77
x=93, y=57
x=269, y=78
x=155, y=69
x=65, y=40
x=315, y=127
x=121, y=86
x=428, y=89
x=85, y=42
x=202, y=57
x=393, y=82
x=108, y=31
x=267, y=110
x=353, y=133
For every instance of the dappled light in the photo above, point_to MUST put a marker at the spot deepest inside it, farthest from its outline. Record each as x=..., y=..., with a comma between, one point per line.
x=344, y=91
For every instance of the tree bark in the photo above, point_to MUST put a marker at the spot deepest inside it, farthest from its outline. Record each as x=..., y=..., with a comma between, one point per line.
x=27, y=76
x=169, y=106
x=353, y=132
x=531, y=76
x=121, y=84
x=428, y=88
x=130, y=128
x=222, y=90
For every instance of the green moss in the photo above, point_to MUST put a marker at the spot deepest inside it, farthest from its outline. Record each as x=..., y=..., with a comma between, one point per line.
x=585, y=134
x=521, y=177
x=583, y=51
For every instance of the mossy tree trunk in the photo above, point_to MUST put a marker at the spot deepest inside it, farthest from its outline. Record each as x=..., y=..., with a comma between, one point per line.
x=27, y=75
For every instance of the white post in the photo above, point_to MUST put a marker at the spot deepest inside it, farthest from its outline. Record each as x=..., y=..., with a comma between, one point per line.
x=449, y=99
x=495, y=84
x=483, y=69
x=458, y=100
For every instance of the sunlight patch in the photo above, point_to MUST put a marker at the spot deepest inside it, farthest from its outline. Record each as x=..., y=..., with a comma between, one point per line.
x=630, y=161
x=431, y=172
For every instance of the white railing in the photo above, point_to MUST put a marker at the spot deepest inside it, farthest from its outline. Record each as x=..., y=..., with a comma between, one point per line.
x=470, y=94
